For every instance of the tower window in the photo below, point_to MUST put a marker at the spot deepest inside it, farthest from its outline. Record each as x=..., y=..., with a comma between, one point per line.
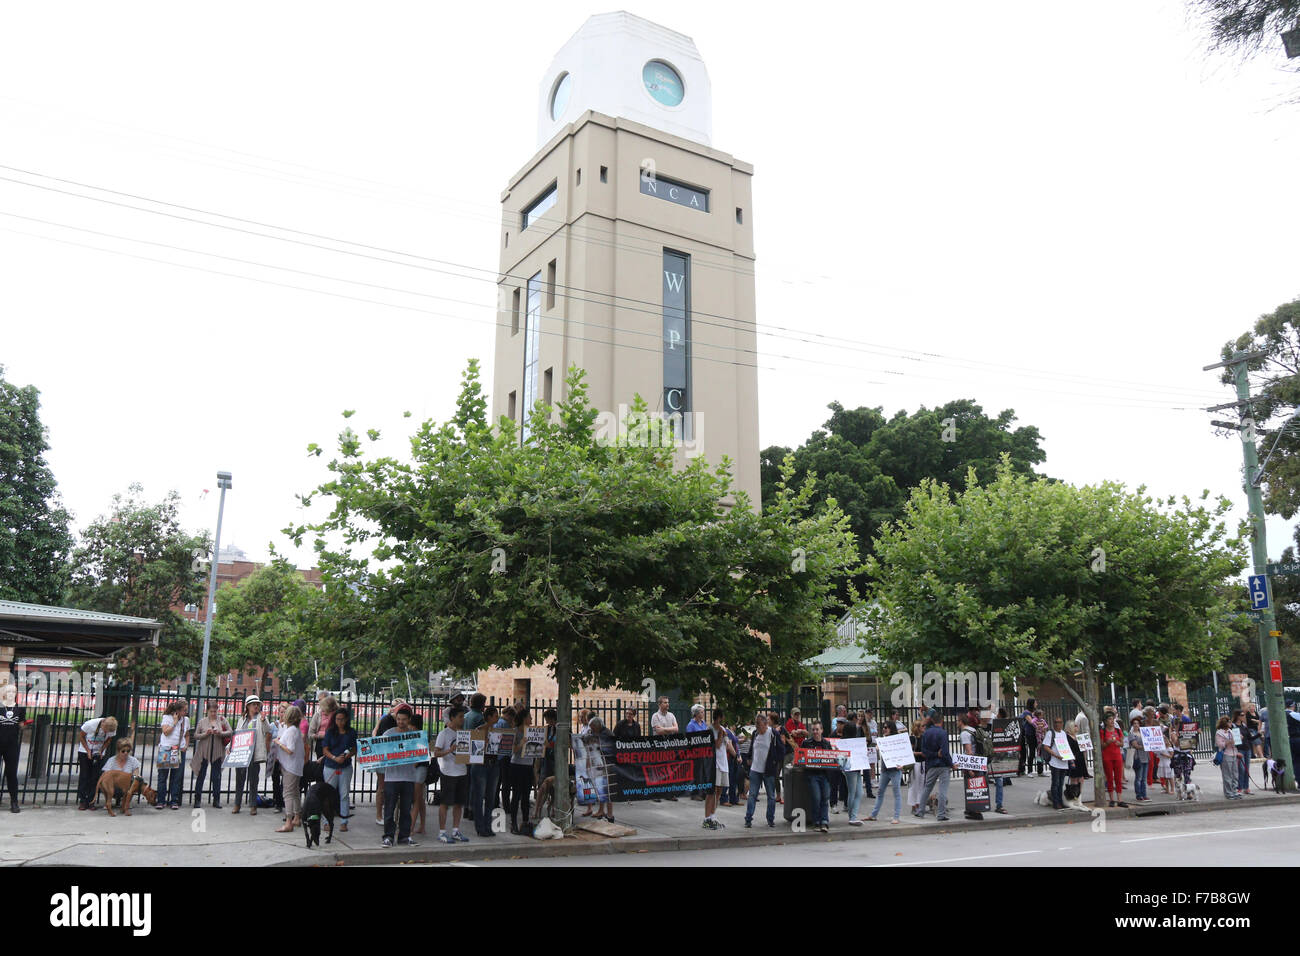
x=740, y=216
x=532, y=346
x=507, y=245
x=604, y=174
x=550, y=284
x=539, y=206
x=546, y=385
x=510, y=409
x=514, y=313
x=578, y=178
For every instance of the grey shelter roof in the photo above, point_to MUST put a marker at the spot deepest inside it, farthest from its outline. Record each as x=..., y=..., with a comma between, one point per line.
x=35, y=628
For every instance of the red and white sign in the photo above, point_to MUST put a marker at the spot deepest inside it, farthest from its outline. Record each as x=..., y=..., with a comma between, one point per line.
x=1275, y=671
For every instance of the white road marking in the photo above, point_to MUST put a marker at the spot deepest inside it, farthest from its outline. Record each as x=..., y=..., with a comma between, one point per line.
x=959, y=859
x=1172, y=836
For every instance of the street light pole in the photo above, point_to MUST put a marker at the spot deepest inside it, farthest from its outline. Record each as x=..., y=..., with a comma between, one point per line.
x=223, y=482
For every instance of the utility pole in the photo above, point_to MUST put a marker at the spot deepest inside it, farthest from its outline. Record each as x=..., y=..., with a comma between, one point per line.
x=223, y=482
x=1270, y=668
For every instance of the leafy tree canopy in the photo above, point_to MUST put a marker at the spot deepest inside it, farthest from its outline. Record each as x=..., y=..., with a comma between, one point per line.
x=1275, y=380
x=34, y=536
x=599, y=558
x=138, y=560
x=868, y=464
x=1029, y=577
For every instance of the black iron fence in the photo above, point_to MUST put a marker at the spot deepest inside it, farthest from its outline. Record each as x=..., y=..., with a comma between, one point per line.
x=49, y=766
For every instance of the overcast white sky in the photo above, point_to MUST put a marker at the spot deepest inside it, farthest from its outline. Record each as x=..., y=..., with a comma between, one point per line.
x=1070, y=204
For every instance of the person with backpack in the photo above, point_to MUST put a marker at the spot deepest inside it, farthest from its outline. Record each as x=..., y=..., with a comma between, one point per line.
x=1059, y=766
x=984, y=748
x=968, y=748
x=766, y=759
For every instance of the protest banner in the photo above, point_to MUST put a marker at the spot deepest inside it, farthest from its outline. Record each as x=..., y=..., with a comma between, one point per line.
x=970, y=762
x=815, y=758
x=859, y=754
x=1006, y=747
x=1153, y=739
x=646, y=768
x=1188, y=734
x=591, y=769
x=375, y=754
x=535, y=742
x=462, y=747
x=896, y=750
x=1085, y=742
x=242, y=746
x=500, y=743
x=478, y=738
x=977, y=793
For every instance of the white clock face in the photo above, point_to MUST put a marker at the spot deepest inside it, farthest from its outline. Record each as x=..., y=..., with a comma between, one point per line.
x=663, y=83
x=560, y=95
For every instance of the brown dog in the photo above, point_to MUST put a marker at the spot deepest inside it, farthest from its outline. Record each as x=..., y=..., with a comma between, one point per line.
x=112, y=782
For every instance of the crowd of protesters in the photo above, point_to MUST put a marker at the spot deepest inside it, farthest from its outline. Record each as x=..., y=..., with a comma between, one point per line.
x=750, y=757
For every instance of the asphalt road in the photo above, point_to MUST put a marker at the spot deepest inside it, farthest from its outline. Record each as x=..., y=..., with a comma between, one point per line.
x=1269, y=836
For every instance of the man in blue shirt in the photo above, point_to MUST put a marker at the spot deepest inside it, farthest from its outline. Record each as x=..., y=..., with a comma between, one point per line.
x=938, y=765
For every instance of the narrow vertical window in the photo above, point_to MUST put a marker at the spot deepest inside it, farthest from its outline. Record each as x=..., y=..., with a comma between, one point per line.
x=578, y=177
x=677, y=342
x=514, y=312
x=546, y=385
x=511, y=409
x=740, y=216
x=604, y=174
x=532, y=342
x=550, y=284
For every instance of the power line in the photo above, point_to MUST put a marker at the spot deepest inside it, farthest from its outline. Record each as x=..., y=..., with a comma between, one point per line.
x=657, y=307
x=1151, y=404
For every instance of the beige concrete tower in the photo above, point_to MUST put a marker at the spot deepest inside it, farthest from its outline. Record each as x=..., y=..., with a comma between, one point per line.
x=627, y=247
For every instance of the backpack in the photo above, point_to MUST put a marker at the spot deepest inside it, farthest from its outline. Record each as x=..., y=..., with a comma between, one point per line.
x=983, y=742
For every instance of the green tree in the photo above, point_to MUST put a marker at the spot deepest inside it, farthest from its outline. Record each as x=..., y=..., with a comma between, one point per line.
x=1024, y=576
x=137, y=560
x=34, y=537
x=265, y=621
x=868, y=464
x=1275, y=380
x=596, y=558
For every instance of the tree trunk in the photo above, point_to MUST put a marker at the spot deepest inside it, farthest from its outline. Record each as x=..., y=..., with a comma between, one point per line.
x=1092, y=709
x=563, y=708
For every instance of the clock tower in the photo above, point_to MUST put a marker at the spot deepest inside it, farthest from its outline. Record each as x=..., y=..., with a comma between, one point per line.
x=627, y=249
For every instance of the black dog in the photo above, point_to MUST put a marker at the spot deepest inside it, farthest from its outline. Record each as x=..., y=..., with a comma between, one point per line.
x=321, y=801
x=1273, y=773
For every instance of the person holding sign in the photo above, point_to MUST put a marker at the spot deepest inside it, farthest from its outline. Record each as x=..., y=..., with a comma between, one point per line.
x=254, y=721
x=818, y=783
x=520, y=770
x=453, y=789
x=210, y=740
x=1226, y=757
x=399, y=788
x=1055, y=749
x=889, y=777
x=968, y=748
x=171, y=751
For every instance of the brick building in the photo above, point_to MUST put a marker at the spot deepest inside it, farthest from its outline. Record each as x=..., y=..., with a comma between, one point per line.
x=233, y=566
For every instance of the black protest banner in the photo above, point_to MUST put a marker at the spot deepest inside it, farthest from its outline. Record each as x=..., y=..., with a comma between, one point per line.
x=665, y=766
x=977, y=793
x=1006, y=747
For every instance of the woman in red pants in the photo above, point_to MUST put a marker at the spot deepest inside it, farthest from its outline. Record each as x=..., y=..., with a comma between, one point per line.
x=1112, y=758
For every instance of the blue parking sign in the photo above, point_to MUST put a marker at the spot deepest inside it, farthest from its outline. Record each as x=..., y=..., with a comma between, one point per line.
x=1258, y=592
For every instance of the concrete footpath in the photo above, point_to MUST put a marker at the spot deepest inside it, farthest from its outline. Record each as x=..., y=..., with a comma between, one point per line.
x=65, y=836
